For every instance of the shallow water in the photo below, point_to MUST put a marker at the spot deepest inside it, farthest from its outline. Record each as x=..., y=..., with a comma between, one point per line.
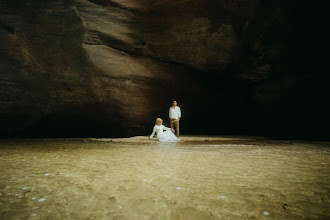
x=233, y=179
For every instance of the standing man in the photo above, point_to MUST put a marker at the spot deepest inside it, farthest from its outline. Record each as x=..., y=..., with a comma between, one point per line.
x=175, y=115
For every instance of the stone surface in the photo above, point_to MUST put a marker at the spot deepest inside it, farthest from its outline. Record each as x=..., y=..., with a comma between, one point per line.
x=109, y=68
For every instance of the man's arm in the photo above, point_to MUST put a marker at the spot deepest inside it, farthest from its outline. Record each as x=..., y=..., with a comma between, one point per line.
x=179, y=113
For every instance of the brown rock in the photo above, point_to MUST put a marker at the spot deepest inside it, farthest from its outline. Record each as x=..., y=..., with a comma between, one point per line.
x=109, y=68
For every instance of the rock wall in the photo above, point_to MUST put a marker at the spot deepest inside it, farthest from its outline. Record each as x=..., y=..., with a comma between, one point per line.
x=103, y=68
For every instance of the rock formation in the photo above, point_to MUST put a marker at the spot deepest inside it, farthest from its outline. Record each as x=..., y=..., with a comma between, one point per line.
x=104, y=68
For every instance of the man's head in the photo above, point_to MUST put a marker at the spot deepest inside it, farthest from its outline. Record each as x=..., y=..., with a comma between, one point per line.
x=174, y=103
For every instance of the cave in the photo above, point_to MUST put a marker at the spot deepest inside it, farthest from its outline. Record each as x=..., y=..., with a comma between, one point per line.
x=108, y=68
x=83, y=81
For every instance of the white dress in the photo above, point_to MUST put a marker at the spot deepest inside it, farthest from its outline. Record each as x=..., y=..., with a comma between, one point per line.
x=164, y=136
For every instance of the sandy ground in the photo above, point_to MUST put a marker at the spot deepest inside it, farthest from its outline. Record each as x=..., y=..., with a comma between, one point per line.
x=199, y=177
x=188, y=139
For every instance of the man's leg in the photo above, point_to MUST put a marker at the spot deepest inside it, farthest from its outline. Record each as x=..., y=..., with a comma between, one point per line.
x=172, y=123
x=177, y=127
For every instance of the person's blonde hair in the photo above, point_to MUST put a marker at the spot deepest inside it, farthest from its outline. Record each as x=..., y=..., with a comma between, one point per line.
x=159, y=120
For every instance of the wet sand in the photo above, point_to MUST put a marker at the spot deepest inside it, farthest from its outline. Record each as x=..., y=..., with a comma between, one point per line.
x=135, y=178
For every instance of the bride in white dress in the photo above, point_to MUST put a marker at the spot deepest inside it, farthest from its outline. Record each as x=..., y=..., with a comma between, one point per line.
x=163, y=136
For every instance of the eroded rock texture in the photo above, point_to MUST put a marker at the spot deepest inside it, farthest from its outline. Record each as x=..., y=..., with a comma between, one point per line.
x=109, y=68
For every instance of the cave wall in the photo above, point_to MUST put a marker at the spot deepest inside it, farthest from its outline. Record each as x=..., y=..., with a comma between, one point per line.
x=101, y=68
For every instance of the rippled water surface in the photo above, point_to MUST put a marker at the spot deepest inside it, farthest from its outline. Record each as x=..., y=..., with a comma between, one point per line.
x=211, y=179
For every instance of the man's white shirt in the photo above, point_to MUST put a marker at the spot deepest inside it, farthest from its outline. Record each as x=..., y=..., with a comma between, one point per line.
x=175, y=113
